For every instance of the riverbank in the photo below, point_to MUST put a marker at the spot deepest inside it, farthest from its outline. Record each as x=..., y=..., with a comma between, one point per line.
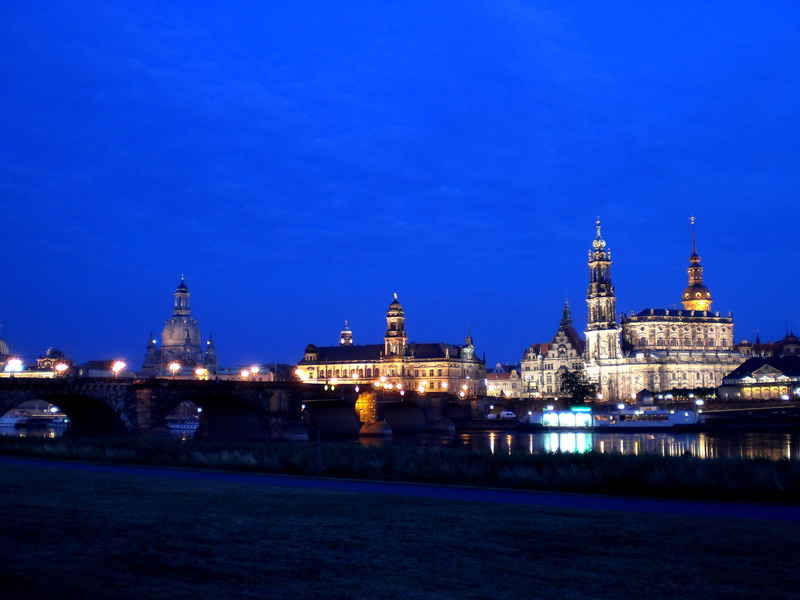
x=726, y=479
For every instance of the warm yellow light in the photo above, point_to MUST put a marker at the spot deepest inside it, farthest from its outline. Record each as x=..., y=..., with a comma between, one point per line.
x=245, y=373
x=383, y=378
x=354, y=375
x=421, y=389
x=464, y=387
x=118, y=366
x=334, y=380
x=444, y=385
x=61, y=367
x=399, y=386
x=425, y=383
x=255, y=369
x=462, y=394
x=200, y=372
x=377, y=384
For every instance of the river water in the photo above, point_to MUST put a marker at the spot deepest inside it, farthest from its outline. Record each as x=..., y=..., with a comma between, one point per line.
x=701, y=444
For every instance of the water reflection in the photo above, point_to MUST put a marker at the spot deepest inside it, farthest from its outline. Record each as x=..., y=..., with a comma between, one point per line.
x=42, y=432
x=702, y=445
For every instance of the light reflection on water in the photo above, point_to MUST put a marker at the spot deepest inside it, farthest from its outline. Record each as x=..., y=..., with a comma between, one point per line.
x=702, y=445
x=42, y=432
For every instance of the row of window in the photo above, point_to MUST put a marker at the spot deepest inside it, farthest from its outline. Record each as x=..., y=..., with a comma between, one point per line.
x=430, y=373
x=643, y=342
x=376, y=372
x=549, y=367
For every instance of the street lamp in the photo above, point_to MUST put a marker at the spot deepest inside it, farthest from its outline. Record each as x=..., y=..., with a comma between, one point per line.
x=61, y=368
x=118, y=366
x=13, y=365
x=201, y=373
x=174, y=367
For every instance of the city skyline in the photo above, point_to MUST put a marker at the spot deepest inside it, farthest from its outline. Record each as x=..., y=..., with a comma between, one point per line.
x=301, y=164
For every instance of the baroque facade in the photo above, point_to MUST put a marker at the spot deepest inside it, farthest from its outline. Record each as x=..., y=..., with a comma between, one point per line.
x=656, y=349
x=180, y=341
x=543, y=365
x=397, y=362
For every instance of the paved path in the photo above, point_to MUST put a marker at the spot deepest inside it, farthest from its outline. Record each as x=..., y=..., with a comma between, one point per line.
x=688, y=508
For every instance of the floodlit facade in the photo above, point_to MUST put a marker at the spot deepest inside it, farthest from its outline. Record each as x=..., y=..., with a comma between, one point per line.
x=655, y=349
x=543, y=365
x=397, y=363
x=180, y=341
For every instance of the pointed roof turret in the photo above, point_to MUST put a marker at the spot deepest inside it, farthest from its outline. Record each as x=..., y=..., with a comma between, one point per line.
x=696, y=296
x=566, y=318
x=599, y=243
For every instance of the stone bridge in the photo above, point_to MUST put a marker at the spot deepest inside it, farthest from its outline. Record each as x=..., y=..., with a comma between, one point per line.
x=233, y=409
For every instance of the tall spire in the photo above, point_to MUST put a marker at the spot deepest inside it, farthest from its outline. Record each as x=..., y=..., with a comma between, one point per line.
x=600, y=297
x=697, y=296
x=599, y=243
x=566, y=318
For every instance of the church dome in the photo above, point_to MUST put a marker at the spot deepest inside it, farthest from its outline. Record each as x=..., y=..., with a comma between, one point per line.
x=4, y=349
x=176, y=331
x=697, y=297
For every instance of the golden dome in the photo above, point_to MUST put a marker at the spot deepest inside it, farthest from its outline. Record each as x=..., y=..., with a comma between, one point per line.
x=696, y=297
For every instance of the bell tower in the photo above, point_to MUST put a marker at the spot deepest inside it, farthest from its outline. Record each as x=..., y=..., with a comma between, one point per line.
x=697, y=296
x=395, y=339
x=602, y=331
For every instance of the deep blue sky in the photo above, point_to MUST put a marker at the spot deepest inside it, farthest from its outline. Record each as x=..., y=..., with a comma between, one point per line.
x=300, y=162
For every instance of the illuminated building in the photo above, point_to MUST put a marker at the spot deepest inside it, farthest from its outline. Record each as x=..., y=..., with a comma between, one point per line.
x=180, y=340
x=656, y=349
x=764, y=378
x=429, y=367
x=503, y=382
x=544, y=364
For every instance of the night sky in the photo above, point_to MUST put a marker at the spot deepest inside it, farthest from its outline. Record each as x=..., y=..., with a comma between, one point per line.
x=301, y=162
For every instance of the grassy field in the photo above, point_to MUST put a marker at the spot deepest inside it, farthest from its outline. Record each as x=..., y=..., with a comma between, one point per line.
x=757, y=480
x=68, y=534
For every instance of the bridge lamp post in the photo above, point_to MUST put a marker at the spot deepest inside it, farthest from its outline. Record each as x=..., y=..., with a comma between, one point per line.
x=201, y=373
x=245, y=373
x=118, y=366
x=13, y=365
x=174, y=367
x=61, y=368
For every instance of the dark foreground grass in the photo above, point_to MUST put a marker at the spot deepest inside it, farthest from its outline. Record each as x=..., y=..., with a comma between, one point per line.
x=72, y=534
x=743, y=479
